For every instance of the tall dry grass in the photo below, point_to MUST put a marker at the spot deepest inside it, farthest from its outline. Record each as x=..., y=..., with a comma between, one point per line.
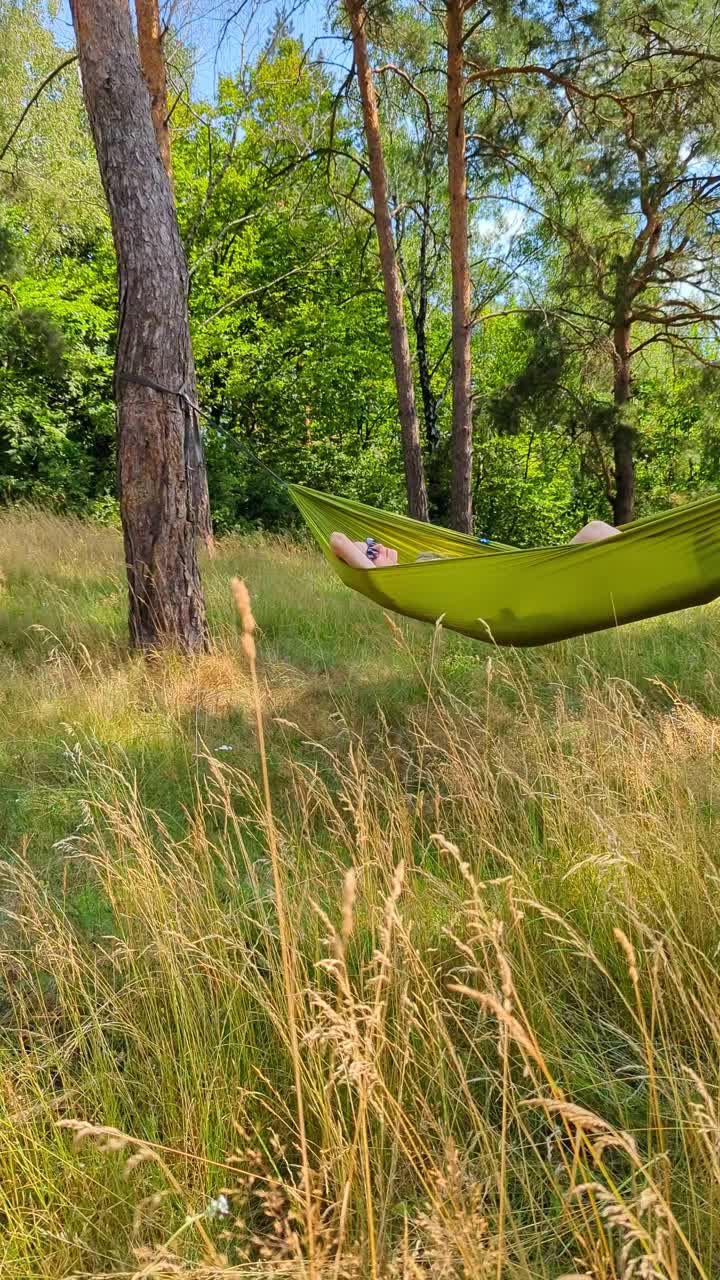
x=430, y=997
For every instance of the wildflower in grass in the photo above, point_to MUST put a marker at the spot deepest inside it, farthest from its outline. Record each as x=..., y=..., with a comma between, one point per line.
x=218, y=1208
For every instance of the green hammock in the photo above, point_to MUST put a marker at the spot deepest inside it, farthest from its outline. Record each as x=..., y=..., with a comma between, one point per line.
x=511, y=597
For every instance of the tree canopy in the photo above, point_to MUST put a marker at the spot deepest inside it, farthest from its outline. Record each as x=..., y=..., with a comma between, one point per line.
x=593, y=202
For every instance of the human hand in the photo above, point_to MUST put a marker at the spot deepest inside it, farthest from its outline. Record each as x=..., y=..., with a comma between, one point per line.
x=383, y=557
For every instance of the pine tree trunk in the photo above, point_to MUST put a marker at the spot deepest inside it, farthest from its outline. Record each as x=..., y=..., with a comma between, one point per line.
x=461, y=514
x=152, y=62
x=402, y=363
x=165, y=593
x=624, y=501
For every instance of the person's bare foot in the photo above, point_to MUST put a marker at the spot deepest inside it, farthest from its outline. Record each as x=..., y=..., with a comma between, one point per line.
x=355, y=553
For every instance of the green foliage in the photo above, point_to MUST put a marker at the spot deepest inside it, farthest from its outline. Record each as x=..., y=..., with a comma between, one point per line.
x=50, y=190
x=56, y=414
x=542, y=357
x=287, y=310
x=288, y=316
x=57, y=294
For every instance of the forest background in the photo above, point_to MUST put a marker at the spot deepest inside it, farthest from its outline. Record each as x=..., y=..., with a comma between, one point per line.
x=287, y=310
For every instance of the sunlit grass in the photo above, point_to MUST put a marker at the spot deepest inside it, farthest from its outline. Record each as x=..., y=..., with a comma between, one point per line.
x=499, y=875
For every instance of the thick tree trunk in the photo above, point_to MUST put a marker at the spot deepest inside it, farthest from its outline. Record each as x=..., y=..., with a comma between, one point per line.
x=624, y=501
x=461, y=515
x=410, y=430
x=166, y=599
x=152, y=62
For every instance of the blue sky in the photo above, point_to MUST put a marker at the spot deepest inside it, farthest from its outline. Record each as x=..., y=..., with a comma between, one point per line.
x=201, y=25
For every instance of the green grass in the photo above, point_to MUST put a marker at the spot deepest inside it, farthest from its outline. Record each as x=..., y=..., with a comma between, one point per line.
x=509, y=1047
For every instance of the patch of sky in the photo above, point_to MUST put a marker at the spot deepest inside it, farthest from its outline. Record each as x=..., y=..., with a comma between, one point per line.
x=223, y=37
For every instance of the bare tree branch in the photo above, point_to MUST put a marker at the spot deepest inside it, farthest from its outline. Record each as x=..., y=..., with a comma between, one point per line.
x=31, y=103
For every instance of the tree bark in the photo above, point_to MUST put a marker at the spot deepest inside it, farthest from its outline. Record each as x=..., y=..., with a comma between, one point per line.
x=409, y=427
x=624, y=500
x=461, y=514
x=166, y=604
x=152, y=62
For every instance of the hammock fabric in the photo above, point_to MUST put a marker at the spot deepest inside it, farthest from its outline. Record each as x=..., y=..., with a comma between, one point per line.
x=510, y=597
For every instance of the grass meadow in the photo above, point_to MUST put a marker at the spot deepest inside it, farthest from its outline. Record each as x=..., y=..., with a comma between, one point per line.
x=381, y=955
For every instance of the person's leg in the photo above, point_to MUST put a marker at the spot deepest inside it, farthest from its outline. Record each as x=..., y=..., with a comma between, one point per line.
x=355, y=553
x=595, y=531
